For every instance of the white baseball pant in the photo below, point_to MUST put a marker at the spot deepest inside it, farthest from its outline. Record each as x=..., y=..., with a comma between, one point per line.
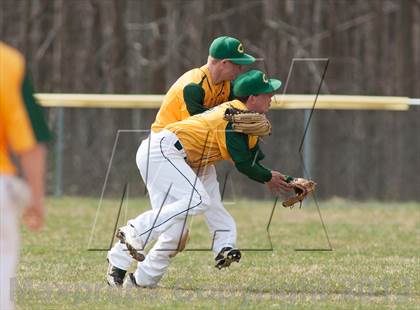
x=9, y=241
x=159, y=176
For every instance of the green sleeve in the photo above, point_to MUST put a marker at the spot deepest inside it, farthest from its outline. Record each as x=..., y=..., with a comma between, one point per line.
x=35, y=112
x=257, y=153
x=244, y=158
x=194, y=98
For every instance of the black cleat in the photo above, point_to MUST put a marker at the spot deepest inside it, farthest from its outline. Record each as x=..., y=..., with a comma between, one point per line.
x=115, y=276
x=226, y=257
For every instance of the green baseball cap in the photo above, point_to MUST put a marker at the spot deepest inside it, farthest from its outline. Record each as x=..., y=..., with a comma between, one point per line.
x=231, y=49
x=254, y=82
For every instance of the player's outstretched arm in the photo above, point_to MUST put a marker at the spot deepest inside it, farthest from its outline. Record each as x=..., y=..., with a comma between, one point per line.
x=248, y=162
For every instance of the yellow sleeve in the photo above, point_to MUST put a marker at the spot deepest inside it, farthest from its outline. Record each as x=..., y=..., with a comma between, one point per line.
x=18, y=130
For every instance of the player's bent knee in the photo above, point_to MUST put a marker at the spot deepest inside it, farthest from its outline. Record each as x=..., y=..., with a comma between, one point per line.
x=205, y=199
x=198, y=202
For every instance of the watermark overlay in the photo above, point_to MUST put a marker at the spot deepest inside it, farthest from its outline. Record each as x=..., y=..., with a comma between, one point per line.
x=205, y=156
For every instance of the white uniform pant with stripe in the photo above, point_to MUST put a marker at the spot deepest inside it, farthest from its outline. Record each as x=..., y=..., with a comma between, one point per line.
x=9, y=242
x=166, y=173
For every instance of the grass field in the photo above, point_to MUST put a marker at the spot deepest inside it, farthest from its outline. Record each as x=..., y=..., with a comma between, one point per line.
x=374, y=263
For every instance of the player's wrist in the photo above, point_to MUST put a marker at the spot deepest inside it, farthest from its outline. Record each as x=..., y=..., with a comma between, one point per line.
x=288, y=178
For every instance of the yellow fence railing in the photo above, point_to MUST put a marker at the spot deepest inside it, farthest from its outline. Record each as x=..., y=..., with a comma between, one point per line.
x=327, y=102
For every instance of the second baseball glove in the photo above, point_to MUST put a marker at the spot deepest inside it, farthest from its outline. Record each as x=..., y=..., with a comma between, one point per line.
x=248, y=122
x=302, y=188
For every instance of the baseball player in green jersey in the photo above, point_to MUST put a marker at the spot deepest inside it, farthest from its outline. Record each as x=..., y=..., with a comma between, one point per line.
x=198, y=141
x=194, y=92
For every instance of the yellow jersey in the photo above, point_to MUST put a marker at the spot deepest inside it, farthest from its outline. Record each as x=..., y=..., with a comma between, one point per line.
x=21, y=120
x=175, y=106
x=203, y=136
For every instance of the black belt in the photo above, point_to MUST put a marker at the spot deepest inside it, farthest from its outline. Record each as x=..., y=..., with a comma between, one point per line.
x=178, y=145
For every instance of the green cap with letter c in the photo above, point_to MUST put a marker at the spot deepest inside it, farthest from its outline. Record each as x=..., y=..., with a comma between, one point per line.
x=254, y=82
x=231, y=49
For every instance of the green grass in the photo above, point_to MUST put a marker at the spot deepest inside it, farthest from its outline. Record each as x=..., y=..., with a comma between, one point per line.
x=374, y=263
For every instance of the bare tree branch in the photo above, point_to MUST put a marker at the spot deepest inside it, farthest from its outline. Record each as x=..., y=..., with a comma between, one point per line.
x=355, y=22
x=301, y=51
x=235, y=10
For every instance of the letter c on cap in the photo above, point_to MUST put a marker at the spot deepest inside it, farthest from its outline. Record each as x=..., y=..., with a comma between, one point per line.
x=265, y=78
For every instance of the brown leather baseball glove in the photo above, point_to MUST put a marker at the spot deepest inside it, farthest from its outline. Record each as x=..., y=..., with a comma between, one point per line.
x=302, y=188
x=248, y=122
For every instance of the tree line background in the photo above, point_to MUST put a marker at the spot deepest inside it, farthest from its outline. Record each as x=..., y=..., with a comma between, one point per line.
x=142, y=47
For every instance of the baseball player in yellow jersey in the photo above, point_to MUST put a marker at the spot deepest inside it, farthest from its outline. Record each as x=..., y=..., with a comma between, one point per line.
x=22, y=131
x=202, y=88
x=198, y=141
x=194, y=92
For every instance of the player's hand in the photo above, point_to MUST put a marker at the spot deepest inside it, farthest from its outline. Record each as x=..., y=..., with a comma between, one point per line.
x=33, y=217
x=278, y=183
